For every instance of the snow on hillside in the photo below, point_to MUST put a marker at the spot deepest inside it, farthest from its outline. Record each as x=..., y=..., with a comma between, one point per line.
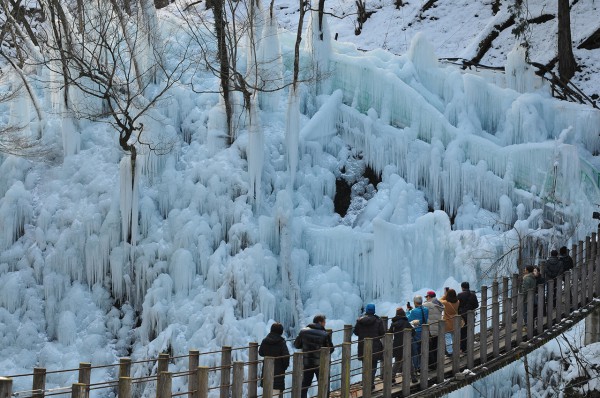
x=444, y=171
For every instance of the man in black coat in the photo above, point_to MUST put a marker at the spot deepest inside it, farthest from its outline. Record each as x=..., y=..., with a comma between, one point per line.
x=370, y=325
x=565, y=259
x=467, y=302
x=310, y=340
x=274, y=346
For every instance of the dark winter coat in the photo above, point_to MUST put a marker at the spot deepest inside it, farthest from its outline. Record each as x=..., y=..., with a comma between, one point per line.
x=567, y=263
x=370, y=325
x=274, y=346
x=529, y=283
x=310, y=340
x=399, y=324
x=467, y=300
x=553, y=268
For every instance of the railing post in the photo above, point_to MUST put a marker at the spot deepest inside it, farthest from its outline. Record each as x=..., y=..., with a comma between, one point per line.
x=386, y=373
x=583, y=283
x=589, y=280
x=297, y=373
x=252, y=370
x=559, y=298
x=238, y=380
x=78, y=390
x=268, y=376
x=574, y=254
x=425, y=333
x=470, y=339
x=346, y=360
x=507, y=324
x=514, y=286
x=505, y=294
x=520, y=313
x=575, y=283
x=324, y=361
x=124, y=387
x=162, y=366
x=367, y=366
x=495, y=291
x=225, y=371
x=384, y=319
x=587, y=249
x=406, y=361
x=193, y=362
x=597, y=273
x=85, y=375
x=550, y=310
x=483, y=326
x=456, y=345
x=540, y=309
x=125, y=367
x=39, y=383
x=530, y=314
x=165, y=385
x=441, y=351
x=5, y=387
x=347, y=333
x=202, y=374
x=567, y=294
x=496, y=328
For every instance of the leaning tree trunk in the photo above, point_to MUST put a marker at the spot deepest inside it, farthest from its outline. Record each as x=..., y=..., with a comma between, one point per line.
x=566, y=60
x=297, y=46
x=217, y=7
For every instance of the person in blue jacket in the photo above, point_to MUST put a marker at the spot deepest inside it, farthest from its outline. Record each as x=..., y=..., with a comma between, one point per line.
x=417, y=316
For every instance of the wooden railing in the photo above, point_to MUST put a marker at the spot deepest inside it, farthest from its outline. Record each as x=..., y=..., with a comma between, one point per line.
x=497, y=335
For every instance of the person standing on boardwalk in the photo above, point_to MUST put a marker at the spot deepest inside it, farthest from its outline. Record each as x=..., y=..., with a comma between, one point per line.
x=467, y=302
x=417, y=316
x=399, y=324
x=310, y=340
x=436, y=309
x=274, y=346
x=565, y=259
x=450, y=302
x=552, y=269
x=529, y=283
x=370, y=325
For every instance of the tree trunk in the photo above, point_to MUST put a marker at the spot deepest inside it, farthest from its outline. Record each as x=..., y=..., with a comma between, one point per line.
x=566, y=60
x=217, y=7
x=297, y=46
x=321, y=12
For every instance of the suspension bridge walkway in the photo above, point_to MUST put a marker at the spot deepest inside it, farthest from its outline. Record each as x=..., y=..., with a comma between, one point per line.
x=498, y=334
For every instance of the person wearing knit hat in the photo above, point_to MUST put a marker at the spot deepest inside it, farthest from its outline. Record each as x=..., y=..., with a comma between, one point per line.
x=370, y=325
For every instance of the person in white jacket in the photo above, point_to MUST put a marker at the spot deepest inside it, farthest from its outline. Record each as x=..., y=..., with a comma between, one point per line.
x=436, y=309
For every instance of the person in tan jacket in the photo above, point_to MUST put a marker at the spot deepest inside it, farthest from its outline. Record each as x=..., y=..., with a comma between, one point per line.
x=450, y=302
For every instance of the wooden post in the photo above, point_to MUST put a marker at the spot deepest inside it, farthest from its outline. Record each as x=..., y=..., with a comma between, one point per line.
x=162, y=366
x=5, y=387
x=193, y=362
x=347, y=333
x=471, y=339
x=587, y=249
x=581, y=254
x=574, y=254
x=496, y=328
x=406, y=361
x=367, y=366
x=237, y=385
x=346, y=360
x=530, y=314
x=253, y=370
x=39, y=383
x=384, y=319
x=589, y=280
x=520, y=313
x=324, y=361
x=386, y=373
x=456, y=345
x=165, y=382
x=559, y=299
x=505, y=291
x=225, y=371
x=550, y=310
x=495, y=291
x=540, y=309
x=425, y=334
x=125, y=367
x=567, y=295
x=514, y=289
x=441, y=351
x=297, y=372
x=597, y=274
x=124, y=387
x=78, y=390
x=483, y=326
x=202, y=374
x=85, y=375
x=582, y=284
x=507, y=324
x=575, y=283
x=268, y=376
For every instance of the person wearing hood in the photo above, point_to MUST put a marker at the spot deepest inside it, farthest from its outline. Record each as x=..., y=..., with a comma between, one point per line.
x=274, y=346
x=436, y=309
x=370, y=325
x=311, y=339
x=399, y=324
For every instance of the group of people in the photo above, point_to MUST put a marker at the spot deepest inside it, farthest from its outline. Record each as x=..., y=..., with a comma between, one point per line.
x=429, y=311
x=557, y=264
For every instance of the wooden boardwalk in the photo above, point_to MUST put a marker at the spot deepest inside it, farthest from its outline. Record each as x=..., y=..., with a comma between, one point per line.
x=507, y=335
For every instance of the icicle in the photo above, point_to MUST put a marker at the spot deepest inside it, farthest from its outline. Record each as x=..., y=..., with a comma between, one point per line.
x=292, y=133
x=519, y=74
x=270, y=65
x=255, y=154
